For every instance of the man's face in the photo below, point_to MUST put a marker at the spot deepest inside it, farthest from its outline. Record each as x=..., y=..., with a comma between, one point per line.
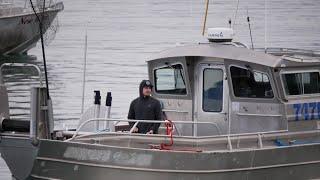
x=146, y=91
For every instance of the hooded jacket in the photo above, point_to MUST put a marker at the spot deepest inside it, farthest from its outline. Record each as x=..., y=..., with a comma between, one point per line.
x=145, y=108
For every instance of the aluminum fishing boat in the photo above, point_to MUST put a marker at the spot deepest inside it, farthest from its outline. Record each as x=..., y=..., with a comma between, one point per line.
x=232, y=113
x=19, y=27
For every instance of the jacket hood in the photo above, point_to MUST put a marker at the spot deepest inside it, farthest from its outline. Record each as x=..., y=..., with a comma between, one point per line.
x=144, y=83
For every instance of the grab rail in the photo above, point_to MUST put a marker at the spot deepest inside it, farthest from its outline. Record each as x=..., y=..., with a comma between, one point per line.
x=21, y=65
x=230, y=138
x=138, y=121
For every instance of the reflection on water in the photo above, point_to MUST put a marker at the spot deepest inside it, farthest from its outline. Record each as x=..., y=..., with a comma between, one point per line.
x=123, y=34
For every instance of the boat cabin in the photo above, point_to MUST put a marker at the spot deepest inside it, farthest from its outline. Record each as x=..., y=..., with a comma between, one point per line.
x=236, y=90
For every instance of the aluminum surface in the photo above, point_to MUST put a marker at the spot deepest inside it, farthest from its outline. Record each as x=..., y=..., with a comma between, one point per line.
x=20, y=32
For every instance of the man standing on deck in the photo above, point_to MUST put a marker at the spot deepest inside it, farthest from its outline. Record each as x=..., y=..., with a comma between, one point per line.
x=145, y=107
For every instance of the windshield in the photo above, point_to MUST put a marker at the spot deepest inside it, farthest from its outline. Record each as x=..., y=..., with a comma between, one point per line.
x=170, y=80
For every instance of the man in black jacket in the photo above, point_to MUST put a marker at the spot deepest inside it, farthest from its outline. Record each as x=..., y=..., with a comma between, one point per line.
x=145, y=107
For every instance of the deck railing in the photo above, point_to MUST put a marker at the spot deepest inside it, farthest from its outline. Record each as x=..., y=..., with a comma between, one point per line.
x=230, y=138
x=117, y=121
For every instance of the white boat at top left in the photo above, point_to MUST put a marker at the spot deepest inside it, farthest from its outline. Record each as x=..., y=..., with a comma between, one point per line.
x=19, y=26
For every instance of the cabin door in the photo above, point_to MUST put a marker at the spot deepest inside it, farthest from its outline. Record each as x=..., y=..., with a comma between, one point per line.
x=211, y=100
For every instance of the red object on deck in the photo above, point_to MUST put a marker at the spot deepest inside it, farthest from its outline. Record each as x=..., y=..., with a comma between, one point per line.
x=168, y=146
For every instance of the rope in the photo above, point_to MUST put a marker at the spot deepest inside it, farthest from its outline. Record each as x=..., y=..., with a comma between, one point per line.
x=169, y=128
x=169, y=146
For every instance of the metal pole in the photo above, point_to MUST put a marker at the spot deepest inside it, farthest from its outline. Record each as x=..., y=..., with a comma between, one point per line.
x=48, y=124
x=34, y=115
x=84, y=71
x=205, y=17
x=42, y=43
x=235, y=15
x=248, y=19
x=265, y=25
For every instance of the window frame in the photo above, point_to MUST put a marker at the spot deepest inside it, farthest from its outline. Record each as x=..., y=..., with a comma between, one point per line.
x=287, y=96
x=167, y=94
x=202, y=88
x=254, y=70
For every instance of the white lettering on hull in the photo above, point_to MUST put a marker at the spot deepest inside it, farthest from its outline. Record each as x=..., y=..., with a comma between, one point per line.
x=107, y=156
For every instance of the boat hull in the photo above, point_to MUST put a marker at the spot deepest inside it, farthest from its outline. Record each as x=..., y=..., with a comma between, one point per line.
x=19, y=155
x=19, y=33
x=65, y=160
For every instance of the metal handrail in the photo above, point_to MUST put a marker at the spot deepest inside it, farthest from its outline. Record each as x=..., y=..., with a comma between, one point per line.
x=21, y=65
x=138, y=121
x=227, y=136
x=291, y=53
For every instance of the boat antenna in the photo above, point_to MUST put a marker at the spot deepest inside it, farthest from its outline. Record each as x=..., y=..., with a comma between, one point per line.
x=42, y=42
x=205, y=18
x=236, y=14
x=230, y=22
x=248, y=19
x=265, y=25
x=84, y=70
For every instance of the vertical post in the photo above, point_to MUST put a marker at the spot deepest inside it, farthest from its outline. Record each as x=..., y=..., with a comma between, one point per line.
x=97, y=104
x=4, y=103
x=40, y=123
x=33, y=113
x=48, y=123
x=50, y=116
x=248, y=19
x=195, y=129
x=84, y=72
x=265, y=25
x=229, y=142
x=229, y=115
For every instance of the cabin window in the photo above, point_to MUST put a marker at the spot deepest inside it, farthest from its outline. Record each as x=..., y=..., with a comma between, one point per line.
x=301, y=83
x=170, y=80
x=212, y=90
x=250, y=84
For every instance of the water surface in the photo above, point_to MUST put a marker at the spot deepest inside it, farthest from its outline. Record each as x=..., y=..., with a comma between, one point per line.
x=122, y=34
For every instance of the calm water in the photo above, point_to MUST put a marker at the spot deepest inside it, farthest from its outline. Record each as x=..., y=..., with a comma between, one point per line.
x=123, y=33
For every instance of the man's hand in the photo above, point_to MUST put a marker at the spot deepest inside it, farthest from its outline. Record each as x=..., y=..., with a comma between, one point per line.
x=135, y=130
x=150, y=132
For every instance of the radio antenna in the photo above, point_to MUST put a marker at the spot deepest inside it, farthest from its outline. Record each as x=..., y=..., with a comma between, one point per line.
x=265, y=25
x=248, y=19
x=205, y=18
x=236, y=14
x=84, y=70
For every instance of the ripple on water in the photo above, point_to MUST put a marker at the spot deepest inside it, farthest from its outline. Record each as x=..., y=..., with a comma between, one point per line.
x=123, y=34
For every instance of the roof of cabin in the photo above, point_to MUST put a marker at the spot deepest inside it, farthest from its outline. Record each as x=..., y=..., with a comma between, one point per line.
x=226, y=52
